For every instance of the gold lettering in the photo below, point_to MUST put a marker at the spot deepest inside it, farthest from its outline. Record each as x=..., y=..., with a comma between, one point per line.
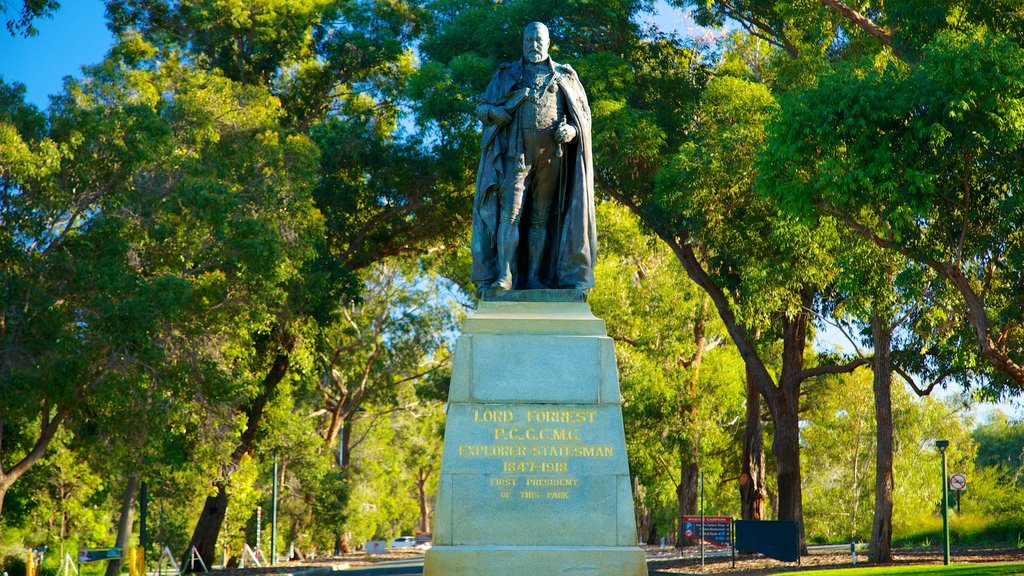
x=552, y=482
x=561, y=416
x=558, y=495
x=493, y=416
x=529, y=495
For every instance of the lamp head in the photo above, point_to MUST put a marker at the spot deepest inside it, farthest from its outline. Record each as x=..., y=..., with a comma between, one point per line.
x=942, y=445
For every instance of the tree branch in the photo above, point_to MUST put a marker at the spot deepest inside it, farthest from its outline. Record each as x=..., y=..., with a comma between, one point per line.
x=626, y=340
x=880, y=34
x=830, y=369
x=921, y=393
x=749, y=22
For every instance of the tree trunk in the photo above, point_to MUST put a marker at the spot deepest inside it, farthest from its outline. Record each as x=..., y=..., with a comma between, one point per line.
x=786, y=446
x=421, y=493
x=48, y=427
x=689, y=469
x=3, y=494
x=880, y=549
x=686, y=498
x=786, y=413
x=345, y=448
x=124, y=524
x=207, y=530
x=204, y=537
x=752, y=485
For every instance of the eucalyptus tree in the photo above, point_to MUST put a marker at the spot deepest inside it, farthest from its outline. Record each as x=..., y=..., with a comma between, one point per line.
x=338, y=72
x=80, y=311
x=153, y=223
x=682, y=382
x=918, y=153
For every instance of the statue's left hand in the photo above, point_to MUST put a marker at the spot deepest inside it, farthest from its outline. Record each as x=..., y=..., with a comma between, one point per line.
x=565, y=133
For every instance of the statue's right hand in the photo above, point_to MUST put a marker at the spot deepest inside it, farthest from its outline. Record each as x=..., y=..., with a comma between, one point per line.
x=516, y=95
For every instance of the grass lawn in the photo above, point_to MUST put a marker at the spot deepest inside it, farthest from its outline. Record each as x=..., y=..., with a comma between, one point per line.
x=955, y=569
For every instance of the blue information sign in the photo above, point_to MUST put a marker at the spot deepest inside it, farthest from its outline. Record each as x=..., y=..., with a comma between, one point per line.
x=715, y=531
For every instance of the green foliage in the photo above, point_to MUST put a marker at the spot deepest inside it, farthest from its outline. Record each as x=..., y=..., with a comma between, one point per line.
x=679, y=410
x=1001, y=446
x=839, y=446
x=921, y=159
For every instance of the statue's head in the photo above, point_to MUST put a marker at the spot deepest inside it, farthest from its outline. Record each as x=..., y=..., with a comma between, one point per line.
x=535, y=42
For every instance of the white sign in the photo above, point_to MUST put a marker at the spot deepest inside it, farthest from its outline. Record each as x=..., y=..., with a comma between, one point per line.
x=376, y=547
x=958, y=481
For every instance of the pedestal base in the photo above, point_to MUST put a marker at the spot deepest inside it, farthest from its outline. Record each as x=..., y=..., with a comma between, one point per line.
x=535, y=561
x=534, y=476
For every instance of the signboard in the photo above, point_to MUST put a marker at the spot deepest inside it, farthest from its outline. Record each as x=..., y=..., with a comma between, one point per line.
x=716, y=529
x=958, y=482
x=778, y=539
x=375, y=547
x=98, y=554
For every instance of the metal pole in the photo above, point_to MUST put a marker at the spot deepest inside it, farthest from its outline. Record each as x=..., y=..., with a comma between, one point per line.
x=732, y=538
x=945, y=512
x=143, y=515
x=703, y=533
x=259, y=528
x=273, y=520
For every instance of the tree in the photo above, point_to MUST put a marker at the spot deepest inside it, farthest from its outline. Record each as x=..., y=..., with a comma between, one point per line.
x=918, y=156
x=681, y=383
x=840, y=448
x=79, y=312
x=338, y=73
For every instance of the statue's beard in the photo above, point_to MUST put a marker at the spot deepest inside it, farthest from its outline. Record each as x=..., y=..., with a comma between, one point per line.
x=535, y=57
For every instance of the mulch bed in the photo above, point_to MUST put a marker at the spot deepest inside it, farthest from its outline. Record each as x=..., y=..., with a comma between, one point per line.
x=750, y=565
x=745, y=565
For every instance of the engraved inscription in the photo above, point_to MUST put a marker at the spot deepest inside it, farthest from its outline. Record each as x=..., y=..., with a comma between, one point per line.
x=532, y=444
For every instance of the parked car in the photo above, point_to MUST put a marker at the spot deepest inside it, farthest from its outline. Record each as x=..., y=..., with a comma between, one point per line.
x=404, y=542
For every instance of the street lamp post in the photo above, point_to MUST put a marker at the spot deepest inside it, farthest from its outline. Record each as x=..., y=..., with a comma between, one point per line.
x=942, y=445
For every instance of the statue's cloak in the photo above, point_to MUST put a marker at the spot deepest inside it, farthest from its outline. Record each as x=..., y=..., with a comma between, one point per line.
x=570, y=263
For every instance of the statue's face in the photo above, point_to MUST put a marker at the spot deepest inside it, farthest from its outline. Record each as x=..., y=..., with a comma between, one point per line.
x=535, y=43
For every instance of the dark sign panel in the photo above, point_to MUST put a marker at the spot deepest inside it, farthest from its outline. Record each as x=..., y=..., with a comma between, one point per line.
x=715, y=531
x=98, y=554
x=778, y=539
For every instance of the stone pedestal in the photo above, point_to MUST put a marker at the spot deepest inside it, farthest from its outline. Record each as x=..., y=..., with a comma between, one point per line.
x=534, y=478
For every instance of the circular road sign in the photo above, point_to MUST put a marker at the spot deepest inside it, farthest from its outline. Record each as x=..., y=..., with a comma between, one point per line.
x=958, y=481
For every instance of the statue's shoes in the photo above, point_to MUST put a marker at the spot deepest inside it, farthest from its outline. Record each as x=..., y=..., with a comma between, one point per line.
x=502, y=284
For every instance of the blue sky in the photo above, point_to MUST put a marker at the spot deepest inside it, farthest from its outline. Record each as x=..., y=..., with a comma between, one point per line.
x=77, y=35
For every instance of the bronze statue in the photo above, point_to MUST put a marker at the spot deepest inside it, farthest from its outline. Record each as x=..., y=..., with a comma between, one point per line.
x=536, y=176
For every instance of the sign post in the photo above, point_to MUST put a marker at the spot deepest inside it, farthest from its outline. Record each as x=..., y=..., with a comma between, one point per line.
x=942, y=445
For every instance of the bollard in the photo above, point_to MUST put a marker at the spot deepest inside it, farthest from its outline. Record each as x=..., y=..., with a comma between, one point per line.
x=853, y=552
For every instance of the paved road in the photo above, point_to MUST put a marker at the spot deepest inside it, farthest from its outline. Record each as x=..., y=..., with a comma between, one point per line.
x=414, y=566
x=410, y=567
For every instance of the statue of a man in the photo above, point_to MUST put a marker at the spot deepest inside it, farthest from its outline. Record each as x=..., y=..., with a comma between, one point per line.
x=536, y=176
